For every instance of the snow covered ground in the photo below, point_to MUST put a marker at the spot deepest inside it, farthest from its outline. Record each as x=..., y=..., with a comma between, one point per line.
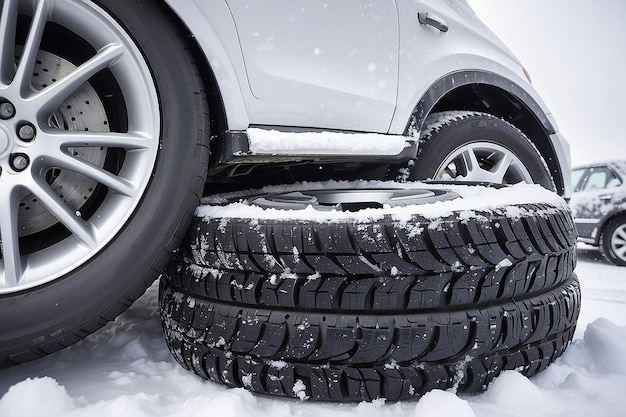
x=126, y=370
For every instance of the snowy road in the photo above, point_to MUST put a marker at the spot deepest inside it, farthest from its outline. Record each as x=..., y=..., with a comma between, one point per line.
x=126, y=370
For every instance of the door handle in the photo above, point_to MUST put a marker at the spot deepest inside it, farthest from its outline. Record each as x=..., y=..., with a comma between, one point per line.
x=432, y=20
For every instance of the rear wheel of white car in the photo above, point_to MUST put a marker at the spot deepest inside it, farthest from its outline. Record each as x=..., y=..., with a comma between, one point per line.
x=377, y=305
x=103, y=153
x=613, y=241
x=477, y=147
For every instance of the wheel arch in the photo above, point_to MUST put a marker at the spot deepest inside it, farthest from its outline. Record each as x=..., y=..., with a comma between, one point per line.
x=492, y=93
x=221, y=67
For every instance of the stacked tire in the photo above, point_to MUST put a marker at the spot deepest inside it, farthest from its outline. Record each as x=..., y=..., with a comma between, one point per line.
x=389, y=305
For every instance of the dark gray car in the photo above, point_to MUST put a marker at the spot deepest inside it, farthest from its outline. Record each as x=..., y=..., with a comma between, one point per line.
x=599, y=207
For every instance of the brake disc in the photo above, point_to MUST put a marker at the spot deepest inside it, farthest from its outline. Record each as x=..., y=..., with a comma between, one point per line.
x=82, y=110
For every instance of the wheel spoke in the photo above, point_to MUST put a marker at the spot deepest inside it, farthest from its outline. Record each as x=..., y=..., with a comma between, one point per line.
x=81, y=229
x=620, y=236
x=619, y=247
x=472, y=167
x=8, y=23
x=51, y=97
x=469, y=165
x=27, y=61
x=128, y=141
x=9, y=234
x=77, y=165
x=500, y=169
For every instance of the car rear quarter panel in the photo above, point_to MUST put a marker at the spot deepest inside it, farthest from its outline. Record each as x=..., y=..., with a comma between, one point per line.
x=467, y=54
x=427, y=54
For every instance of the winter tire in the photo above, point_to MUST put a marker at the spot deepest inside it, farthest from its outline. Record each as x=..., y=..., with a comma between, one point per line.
x=386, y=306
x=477, y=147
x=100, y=120
x=362, y=357
x=613, y=241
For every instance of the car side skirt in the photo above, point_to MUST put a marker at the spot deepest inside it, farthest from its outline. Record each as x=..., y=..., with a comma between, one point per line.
x=256, y=145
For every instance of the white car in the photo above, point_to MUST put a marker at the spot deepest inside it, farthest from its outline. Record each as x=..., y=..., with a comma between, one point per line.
x=117, y=116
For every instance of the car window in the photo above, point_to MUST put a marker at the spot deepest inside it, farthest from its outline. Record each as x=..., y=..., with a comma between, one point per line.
x=600, y=178
x=577, y=175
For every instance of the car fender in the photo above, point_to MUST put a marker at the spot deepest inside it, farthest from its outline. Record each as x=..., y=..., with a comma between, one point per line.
x=447, y=83
x=419, y=97
x=219, y=43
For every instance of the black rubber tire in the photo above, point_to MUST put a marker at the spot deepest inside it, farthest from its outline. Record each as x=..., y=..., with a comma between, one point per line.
x=354, y=318
x=361, y=356
x=46, y=318
x=444, y=133
x=338, y=266
x=614, y=226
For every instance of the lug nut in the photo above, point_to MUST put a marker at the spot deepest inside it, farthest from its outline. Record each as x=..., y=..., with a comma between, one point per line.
x=19, y=162
x=7, y=110
x=26, y=132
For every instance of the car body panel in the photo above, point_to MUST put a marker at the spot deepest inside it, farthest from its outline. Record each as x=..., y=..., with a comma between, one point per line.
x=214, y=31
x=308, y=67
x=599, y=195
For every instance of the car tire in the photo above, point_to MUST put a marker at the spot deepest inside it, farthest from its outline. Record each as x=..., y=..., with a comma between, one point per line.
x=613, y=241
x=74, y=260
x=354, y=310
x=477, y=147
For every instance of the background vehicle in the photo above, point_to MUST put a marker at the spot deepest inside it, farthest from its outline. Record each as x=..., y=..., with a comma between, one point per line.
x=599, y=207
x=116, y=116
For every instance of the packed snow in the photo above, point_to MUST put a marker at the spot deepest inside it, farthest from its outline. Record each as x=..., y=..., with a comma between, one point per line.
x=126, y=370
x=269, y=142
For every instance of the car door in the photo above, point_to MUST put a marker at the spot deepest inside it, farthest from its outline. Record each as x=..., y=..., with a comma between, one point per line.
x=594, y=197
x=320, y=64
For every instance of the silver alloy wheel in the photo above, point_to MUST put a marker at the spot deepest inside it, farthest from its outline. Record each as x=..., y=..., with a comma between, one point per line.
x=483, y=162
x=54, y=138
x=351, y=199
x=618, y=242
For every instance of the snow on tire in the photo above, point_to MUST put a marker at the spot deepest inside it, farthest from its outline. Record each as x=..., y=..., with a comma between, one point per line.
x=432, y=287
